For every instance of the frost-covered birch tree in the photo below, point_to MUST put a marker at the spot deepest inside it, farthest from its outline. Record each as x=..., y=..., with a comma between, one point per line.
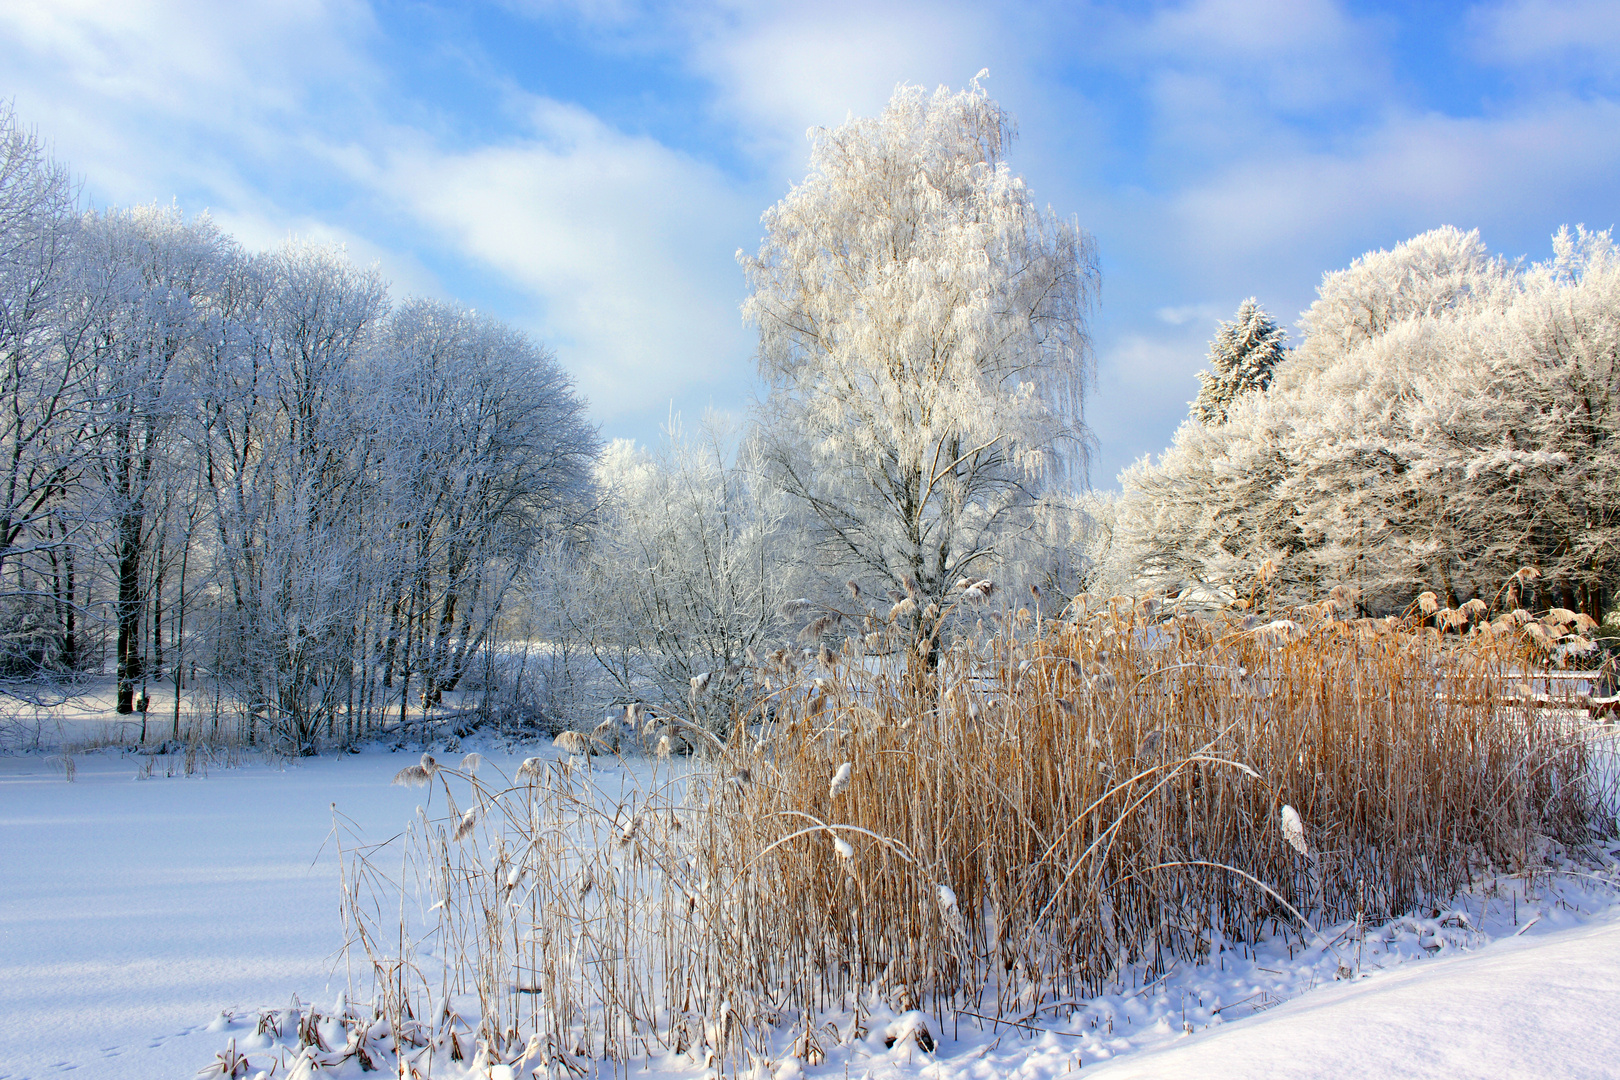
x=922, y=338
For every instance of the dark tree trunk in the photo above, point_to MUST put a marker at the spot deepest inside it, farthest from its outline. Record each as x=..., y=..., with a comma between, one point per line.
x=129, y=611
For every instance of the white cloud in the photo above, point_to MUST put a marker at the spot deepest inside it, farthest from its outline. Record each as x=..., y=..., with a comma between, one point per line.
x=404, y=272
x=646, y=322
x=1551, y=34
x=1414, y=173
x=1144, y=362
x=815, y=66
x=189, y=57
x=1144, y=382
x=783, y=69
x=1183, y=314
x=148, y=95
x=1231, y=79
x=1295, y=54
x=626, y=245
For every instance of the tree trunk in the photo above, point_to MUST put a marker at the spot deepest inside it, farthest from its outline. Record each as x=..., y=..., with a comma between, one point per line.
x=129, y=610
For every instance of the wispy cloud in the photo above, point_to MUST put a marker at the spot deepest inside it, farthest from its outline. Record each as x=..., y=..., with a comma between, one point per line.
x=625, y=246
x=1562, y=38
x=184, y=91
x=1188, y=313
x=783, y=70
x=1413, y=173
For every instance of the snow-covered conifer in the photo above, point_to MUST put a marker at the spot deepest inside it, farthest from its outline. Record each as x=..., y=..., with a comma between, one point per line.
x=1242, y=357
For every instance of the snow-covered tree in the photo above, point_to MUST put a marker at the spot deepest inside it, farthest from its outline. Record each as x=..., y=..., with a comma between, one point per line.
x=43, y=399
x=1208, y=512
x=484, y=450
x=922, y=339
x=1442, y=271
x=692, y=555
x=291, y=438
x=1242, y=357
x=150, y=279
x=1448, y=420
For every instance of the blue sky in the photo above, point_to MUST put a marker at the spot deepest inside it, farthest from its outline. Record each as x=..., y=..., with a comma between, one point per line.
x=588, y=169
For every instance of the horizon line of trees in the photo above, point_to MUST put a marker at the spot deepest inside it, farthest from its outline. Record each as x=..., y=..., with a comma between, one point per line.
x=257, y=465
x=346, y=507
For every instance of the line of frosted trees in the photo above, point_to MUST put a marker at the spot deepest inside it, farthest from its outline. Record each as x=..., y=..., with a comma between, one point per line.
x=345, y=509
x=255, y=466
x=1449, y=423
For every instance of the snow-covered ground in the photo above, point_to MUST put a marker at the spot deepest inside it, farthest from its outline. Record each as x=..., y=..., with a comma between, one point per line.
x=135, y=910
x=1531, y=1006
x=132, y=911
x=81, y=715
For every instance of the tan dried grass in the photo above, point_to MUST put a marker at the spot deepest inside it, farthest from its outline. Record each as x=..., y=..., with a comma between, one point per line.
x=1029, y=818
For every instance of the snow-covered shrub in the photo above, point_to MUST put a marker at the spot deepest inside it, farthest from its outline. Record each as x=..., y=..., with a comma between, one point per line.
x=691, y=554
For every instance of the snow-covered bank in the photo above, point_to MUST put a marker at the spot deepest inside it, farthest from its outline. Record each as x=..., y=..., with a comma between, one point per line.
x=1508, y=984
x=1505, y=985
x=1531, y=1006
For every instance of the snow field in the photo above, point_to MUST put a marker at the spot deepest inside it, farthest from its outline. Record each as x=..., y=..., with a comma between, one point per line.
x=133, y=911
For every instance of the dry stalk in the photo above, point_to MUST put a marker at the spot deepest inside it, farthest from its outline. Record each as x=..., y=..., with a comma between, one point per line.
x=1019, y=818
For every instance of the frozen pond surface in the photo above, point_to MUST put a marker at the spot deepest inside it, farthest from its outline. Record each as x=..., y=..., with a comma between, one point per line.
x=133, y=911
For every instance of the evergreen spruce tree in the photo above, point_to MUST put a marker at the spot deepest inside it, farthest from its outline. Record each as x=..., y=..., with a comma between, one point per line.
x=1241, y=358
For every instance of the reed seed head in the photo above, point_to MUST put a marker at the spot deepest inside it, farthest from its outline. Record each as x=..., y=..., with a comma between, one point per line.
x=412, y=776
x=840, y=779
x=1293, y=829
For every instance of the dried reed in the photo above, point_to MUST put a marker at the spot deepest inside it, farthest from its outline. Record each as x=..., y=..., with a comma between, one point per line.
x=1028, y=816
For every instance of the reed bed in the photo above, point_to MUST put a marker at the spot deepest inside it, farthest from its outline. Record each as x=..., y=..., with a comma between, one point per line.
x=1032, y=813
